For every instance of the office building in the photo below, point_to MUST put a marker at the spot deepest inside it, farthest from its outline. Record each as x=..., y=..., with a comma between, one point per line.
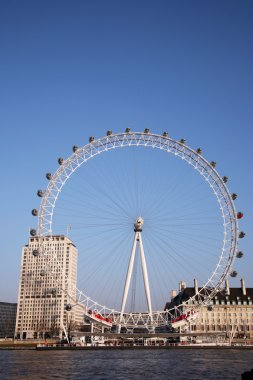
x=47, y=286
x=7, y=319
x=229, y=312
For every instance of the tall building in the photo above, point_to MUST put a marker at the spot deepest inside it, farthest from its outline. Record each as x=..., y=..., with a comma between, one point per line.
x=7, y=319
x=230, y=312
x=43, y=297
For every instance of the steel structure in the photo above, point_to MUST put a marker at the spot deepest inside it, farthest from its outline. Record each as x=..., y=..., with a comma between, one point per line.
x=215, y=283
x=137, y=240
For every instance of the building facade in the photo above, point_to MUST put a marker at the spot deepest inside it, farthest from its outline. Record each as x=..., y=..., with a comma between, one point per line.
x=8, y=313
x=47, y=286
x=230, y=312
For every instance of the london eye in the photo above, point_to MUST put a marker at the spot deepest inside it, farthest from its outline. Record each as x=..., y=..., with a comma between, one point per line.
x=145, y=212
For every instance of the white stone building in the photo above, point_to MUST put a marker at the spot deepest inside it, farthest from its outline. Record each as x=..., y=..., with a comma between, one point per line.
x=43, y=297
x=230, y=313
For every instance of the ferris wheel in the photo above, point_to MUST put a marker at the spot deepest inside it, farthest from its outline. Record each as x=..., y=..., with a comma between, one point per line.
x=142, y=220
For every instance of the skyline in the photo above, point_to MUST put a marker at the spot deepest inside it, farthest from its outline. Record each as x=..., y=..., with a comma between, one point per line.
x=70, y=71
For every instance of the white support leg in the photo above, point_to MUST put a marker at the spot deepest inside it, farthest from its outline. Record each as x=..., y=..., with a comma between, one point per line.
x=65, y=332
x=128, y=277
x=145, y=274
x=137, y=238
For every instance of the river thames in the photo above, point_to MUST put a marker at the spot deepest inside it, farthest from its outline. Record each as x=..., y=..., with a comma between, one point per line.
x=192, y=364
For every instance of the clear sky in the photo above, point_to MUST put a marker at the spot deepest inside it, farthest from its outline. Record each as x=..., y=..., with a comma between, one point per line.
x=71, y=69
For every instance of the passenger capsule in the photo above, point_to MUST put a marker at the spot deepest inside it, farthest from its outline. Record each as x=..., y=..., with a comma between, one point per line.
x=40, y=193
x=53, y=291
x=36, y=252
x=183, y=141
x=165, y=134
x=75, y=148
x=43, y=273
x=233, y=274
x=239, y=254
x=109, y=133
x=33, y=232
x=127, y=130
x=233, y=196
x=49, y=176
x=239, y=215
x=91, y=139
x=225, y=179
x=199, y=151
x=241, y=234
x=146, y=130
x=34, y=212
x=68, y=307
x=60, y=161
x=213, y=164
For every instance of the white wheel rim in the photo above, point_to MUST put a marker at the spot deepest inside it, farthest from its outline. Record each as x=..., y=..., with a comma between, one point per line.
x=216, y=280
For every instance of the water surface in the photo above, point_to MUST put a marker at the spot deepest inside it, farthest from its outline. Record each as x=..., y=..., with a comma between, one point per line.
x=125, y=364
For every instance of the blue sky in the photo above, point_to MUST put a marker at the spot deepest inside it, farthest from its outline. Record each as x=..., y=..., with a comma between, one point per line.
x=74, y=69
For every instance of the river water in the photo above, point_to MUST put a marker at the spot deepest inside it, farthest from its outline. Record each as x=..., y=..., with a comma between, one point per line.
x=172, y=364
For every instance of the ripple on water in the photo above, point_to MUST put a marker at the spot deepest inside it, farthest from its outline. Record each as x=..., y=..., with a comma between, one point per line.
x=126, y=364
